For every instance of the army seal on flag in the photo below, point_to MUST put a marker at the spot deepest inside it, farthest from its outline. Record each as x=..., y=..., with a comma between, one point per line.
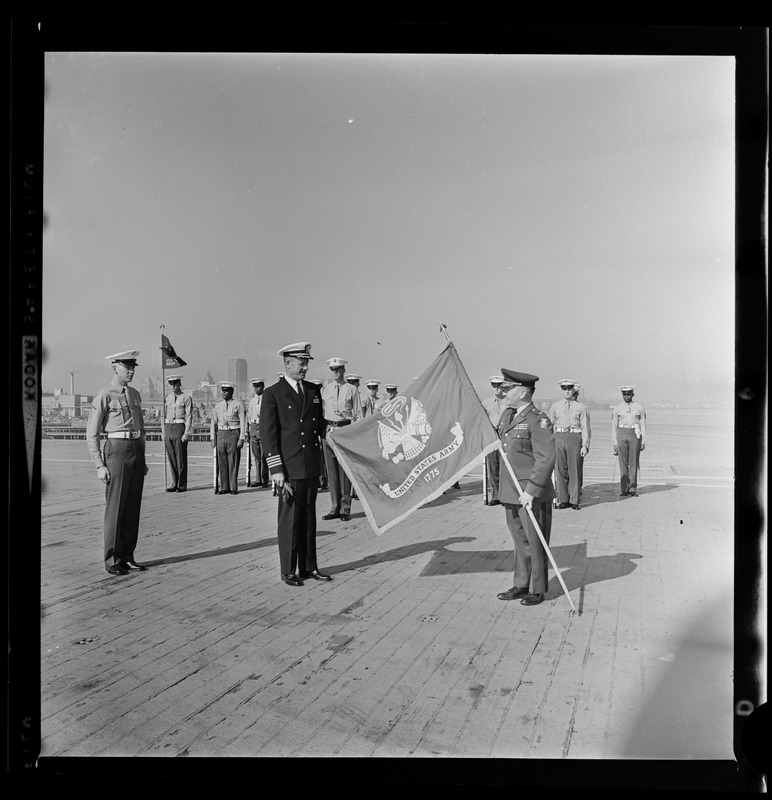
x=406, y=427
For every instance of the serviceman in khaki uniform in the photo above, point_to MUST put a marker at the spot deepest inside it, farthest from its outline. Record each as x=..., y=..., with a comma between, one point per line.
x=255, y=444
x=116, y=410
x=371, y=403
x=494, y=405
x=572, y=443
x=228, y=431
x=178, y=425
x=628, y=437
x=341, y=405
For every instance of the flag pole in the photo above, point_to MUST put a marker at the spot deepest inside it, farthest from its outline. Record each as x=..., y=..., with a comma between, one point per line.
x=536, y=525
x=444, y=329
x=163, y=403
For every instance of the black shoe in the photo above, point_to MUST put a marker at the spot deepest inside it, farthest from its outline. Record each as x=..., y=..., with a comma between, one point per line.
x=235, y=491
x=633, y=494
x=331, y=516
x=292, y=580
x=134, y=566
x=345, y=517
x=623, y=494
x=562, y=505
x=512, y=594
x=181, y=490
x=575, y=506
x=316, y=575
x=532, y=599
x=495, y=503
x=172, y=489
x=117, y=569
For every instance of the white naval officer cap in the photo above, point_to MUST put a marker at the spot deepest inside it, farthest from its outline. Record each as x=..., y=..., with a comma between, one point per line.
x=391, y=386
x=624, y=389
x=373, y=382
x=350, y=376
x=317, y=381
x=567, y=383
x=126, y=357
x=173, y=378
x=336, y=362
x=256, y=381
x=496, y=379
x=297, y=350
x=227, y=385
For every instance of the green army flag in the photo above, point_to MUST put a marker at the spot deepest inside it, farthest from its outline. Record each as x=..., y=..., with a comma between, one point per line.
x=418, y=444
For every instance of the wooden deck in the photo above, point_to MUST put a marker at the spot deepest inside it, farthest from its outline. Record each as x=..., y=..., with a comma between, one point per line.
x=407, y=653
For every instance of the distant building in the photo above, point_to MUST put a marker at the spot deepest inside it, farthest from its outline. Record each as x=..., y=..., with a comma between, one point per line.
x=60, y=404
x=237, y=374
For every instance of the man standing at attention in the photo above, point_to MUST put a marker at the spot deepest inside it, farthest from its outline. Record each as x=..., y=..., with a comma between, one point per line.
x=117, y=411
x=529, y=446
x=572, y=443
x=494, y=405
x=372, y=402
x=255, y=444
x=178, y=422
x=291, y=424
x=341, y=407
x=628, y=434
x=227, y=432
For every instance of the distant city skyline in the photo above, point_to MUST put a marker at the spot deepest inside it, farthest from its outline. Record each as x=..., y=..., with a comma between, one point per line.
x=561, y=214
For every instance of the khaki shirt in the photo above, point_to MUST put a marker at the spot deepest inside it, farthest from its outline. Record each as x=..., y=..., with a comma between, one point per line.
x=114, y=408
x=341, y=401
x=179, y=406
x=628, y=415
x=229, y=415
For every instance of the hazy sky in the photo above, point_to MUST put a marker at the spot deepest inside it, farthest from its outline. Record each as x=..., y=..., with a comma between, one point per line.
x=570, y=216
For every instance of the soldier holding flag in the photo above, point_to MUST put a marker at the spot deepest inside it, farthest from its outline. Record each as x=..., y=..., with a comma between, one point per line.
x=529, y=446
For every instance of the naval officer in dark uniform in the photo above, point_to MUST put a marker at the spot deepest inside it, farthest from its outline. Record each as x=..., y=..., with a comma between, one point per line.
x=529, y=446
x=116, y=410
x=291, y=425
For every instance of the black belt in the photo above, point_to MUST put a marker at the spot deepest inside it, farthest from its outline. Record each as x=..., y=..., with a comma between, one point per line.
x=339, y=423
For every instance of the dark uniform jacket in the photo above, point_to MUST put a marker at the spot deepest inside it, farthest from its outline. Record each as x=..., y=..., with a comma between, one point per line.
x=290, y=434
x=529, y=444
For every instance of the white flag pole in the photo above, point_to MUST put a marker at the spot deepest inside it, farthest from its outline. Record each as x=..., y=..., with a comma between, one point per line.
x=536, y=525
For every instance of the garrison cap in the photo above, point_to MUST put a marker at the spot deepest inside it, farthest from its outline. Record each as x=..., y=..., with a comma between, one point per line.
x=255, y=381
x=126, y=357
x=625, y=389
x=373, y=382
x=519, y=378
x=336, y=362
x=173, y=378
x=496, y=379
x=296, y=350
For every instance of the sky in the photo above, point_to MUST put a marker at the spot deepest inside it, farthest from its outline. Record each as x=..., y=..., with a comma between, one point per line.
x=566, y=216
